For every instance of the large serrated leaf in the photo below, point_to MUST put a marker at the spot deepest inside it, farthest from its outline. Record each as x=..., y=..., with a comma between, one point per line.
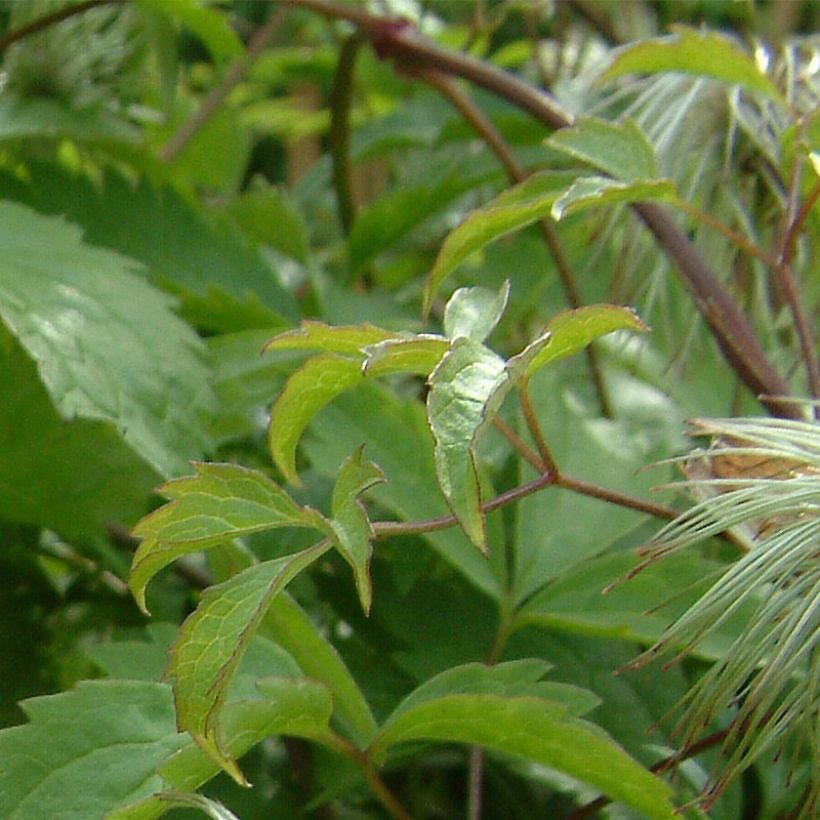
x=306, y=392
x=106, y=343
x=590, y=192
x=572, y=330
x=620, y=149
x=211, y=643
x=512, y=210
x=350, y=522
x=220, y=502
x=538, y=729
x=459, y=388
x=122, y=728
x=695, y=52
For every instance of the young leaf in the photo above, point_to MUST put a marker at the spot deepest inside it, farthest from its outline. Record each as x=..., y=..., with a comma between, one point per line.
x=620, y=149
x=474, y=312
x=416, y=354
x=706, y=54
x=589, y=192
x=306, y=392
x=538, y=729
x=211, y=643
x=350, y=521
x=572, y=330
x=220, y=502
x=512, y=210
x=122, y=728
x=346, y=341
x=459, y=388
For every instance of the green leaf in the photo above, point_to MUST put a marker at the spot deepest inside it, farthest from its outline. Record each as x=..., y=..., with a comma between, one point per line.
x=459, y=388
x=306, y=392
x=220, y=281
x=211, y=643
x=211, y=27
x=415, y=354
x=191, y=800
x=293, y=630
x=510, y=679
x=537, y=729
x=294, y=706
x=704, y=53
x=474, y=312
x=124, y=729
x=350, y=522
x=620, y=149
x=220, y=502
x=310, y=335
x=572, y=330
x=514, y=209
x=589, y=192
x=106, y=344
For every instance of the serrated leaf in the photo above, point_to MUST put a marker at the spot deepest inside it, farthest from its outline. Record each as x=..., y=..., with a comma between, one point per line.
x=572, y=330
x=220, y=502
x=704, y=53
x=415, y=354
x=620, y=149
x=294, y=706
x=537, y=729
x=345, y=340
x=316, y=383
x=474, y=312
x=509, y=679
x=122, y=728
x=459, y=388
x=589, y=192
x=107, y=345
x=466, y=390
x=350, y=522
x=212, y=640
x=512, y=210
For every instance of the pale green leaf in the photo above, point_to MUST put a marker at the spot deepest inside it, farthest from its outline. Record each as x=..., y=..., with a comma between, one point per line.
x=512, y=210
x=124, y=729
x=572, y=330
x=211, y=643
x=345, y=340
x=589, y=192
x=537, y=729
x=474, y=312
x=220, y=502
x=350, y=522
x=107, y=345
x=705, y=53
x=415, y=354
x=191, y=800
x=459, y=388
x=620, y=149
x=306, y=392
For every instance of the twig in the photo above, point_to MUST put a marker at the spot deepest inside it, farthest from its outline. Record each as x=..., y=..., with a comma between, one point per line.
x=475, y=777
x=614, y=497
x=535, y=429
x=11, y=37
x=219, y=93
x=732, y=332
x=597, y=19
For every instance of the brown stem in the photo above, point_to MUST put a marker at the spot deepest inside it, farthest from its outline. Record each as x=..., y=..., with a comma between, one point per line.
x=516, y=173
x=341, y=95
x=219, y=93
x=732, y=331
x=597, y=19
x=614, y=497
x=520, y=446
x=11, y=37
x=534, y=427
x=475, y=778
